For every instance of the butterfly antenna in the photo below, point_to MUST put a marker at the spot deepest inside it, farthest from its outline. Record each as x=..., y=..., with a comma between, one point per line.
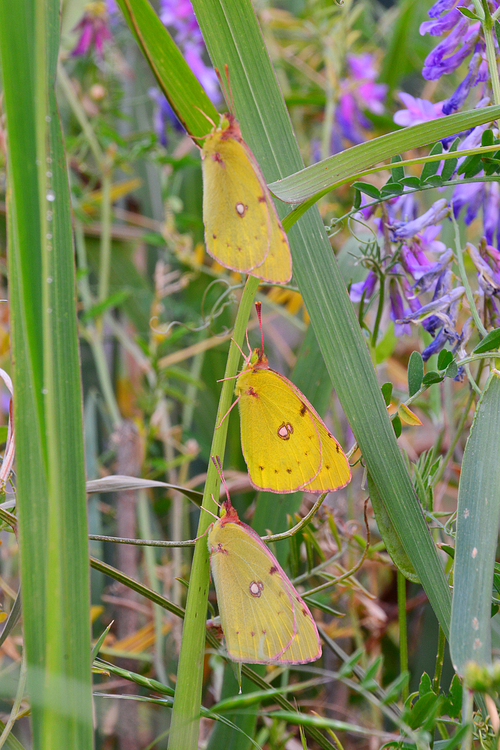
x=258, y=307
x=218, y=466
x=226, y=89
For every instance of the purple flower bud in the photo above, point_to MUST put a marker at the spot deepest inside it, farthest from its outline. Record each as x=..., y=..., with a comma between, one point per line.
x=439, y=25
x=397, y=309
x=436, y=307
x=440, y=7
x=488, y=279
x=435, y=271
x=365, y=287
x=93, y=29
x=443, y=59
x=403, y=230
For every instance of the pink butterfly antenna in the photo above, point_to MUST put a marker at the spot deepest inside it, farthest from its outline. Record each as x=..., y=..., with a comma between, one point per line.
x=226, y=90
x=258, y=307
x=218, y=466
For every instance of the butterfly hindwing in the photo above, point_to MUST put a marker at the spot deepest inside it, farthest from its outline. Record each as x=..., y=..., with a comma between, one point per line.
x=242, y=229
x=279, y=439
x=263, y=618
x=286, y=445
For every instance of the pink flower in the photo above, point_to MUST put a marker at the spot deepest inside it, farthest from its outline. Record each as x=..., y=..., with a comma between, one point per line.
x=93, y=29
x=417, y=110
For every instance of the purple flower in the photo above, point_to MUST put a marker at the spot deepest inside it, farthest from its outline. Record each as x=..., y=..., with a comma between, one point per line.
x=93, y=28
x=417, y=110
x=443, y=59
x=365, y=287
x=434, y=271
x=397, y=311
x=439, y=25
x=358, y=91
x=488, y=276
x=405, y=229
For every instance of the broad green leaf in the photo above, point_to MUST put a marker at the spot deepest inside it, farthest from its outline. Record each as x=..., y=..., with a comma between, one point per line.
x=478, y=514
x=46, y=374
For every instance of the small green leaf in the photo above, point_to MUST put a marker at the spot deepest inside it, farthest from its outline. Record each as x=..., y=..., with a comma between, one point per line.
x=425, y=685
x=392, y=188
x=449, y=166
x=432, y=377
x=452, y=370
x=431, y=167
x=398, y=173
x=497, y=32
x=468, y=13
x=357, y=199
x=396, y=423
x=411, y=182
x=489, y=343
x=444, y=359
x=387, y=393
x=415, y=372
x=436, y=180
x=365, y=187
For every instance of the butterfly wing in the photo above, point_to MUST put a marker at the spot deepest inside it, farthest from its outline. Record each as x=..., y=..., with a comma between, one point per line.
x=263, y=618
x=279, y=439
x=286, y=445
x=242, y=229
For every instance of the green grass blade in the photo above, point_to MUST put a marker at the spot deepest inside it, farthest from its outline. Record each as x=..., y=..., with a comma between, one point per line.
x=478, y=515
x=47, y=395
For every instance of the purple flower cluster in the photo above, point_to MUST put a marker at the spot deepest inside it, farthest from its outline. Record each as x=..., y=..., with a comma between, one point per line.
x=463, y=39
x=358, y=91
x=417, y=270
x=418, y=275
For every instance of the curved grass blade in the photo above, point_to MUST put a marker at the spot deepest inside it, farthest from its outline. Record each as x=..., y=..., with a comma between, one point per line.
x=478, y=515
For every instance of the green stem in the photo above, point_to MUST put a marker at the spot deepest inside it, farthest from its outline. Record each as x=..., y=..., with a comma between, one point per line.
x=380, y=309
x=403, y=635
x=79, y=112
x=465, y=281
x=186, y=711
x=105, y=246
x=467, y=706
x=17, y=703
x=488, y=30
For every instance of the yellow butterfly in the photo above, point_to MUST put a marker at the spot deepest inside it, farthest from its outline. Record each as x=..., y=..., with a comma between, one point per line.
x=242, y=229
x=286, y=445
x=263, y=618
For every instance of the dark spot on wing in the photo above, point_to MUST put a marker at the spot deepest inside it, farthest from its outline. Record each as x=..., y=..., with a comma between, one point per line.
x=337, y=447
x=288, y=471
x=303, y=409
x=262, y=199
x=273, y=569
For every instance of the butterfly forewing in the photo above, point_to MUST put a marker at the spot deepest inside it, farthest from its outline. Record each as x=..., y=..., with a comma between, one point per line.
x=263, y=618
x=235, y=213
x=279, y=438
